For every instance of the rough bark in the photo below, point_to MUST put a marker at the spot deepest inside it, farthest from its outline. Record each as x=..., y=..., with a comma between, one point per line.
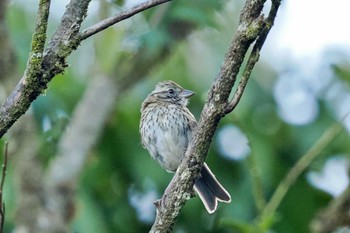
x=253, y=26
x=58, y=187
x=44, y=64
x=51, y=199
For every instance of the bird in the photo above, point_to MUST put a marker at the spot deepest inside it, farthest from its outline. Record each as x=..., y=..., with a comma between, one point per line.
x=166, y=128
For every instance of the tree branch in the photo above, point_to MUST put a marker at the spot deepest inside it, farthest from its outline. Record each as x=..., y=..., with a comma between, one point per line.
x=106, y=23
x=39, y=36
x=100, y=98
x=20, y=98
x=41, y=68
x=252, y=26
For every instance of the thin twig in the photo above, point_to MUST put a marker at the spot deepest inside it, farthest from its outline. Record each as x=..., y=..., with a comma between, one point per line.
x=3, y=175
x=119, y=17
x=299, y=167
x=254, y=56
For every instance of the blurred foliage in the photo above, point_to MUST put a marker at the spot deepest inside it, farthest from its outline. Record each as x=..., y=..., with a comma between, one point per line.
x=186, y=42
x=342, y=71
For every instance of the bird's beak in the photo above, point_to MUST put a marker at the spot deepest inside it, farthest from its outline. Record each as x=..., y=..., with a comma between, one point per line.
x=187, y=93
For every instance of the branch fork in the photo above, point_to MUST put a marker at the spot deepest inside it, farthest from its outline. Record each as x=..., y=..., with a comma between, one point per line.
x=252, y=27
x=45, y=63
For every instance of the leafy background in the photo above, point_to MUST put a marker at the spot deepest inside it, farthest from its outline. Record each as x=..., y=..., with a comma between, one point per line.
x=185, y=41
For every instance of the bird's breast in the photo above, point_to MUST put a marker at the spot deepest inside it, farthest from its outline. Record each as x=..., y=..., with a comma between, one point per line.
x=165, y=133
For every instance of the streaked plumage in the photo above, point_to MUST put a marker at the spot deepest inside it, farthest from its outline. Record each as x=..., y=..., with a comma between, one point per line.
x=166, y=128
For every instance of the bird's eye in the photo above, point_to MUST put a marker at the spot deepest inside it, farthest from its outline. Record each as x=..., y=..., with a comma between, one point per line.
x=171, y=91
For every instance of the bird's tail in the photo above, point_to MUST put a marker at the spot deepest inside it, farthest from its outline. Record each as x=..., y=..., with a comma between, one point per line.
x=210, y=190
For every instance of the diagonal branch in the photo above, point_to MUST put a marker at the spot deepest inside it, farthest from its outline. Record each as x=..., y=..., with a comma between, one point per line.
x=17, y=102
x=252, y=26
x=43, y=67
x=106, y=23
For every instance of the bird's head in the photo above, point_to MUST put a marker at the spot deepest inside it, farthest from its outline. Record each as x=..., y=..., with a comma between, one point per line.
x=169, y=91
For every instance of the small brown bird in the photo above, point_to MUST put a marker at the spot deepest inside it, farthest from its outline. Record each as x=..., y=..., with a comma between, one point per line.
x=166, y=128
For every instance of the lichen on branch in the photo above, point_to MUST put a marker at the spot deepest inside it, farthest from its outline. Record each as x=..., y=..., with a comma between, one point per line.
x=45, y=63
